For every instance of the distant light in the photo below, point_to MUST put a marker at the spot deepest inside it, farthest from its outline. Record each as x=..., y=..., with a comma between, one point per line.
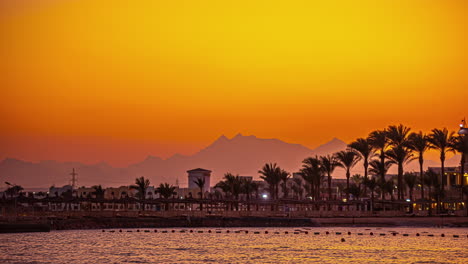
x=265, y=196
x=408, y=200
x=345, y=200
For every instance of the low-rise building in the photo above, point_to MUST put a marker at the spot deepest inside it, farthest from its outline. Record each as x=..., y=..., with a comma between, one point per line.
x=60, y=191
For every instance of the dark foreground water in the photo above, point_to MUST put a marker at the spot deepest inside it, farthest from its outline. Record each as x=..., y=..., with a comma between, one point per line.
x=95, y=246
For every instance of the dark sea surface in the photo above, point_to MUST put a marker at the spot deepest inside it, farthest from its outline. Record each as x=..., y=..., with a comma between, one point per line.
x=130, y=246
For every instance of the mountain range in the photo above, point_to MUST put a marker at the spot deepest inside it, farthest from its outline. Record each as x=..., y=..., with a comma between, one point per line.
x=243, y=155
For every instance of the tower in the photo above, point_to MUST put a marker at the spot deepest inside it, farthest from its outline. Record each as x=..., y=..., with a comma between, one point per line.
x=73, y=180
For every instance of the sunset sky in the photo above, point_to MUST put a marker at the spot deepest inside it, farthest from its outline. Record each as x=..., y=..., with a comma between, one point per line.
x=115, y=81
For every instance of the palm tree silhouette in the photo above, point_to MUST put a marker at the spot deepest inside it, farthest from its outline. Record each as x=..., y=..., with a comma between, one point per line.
x=378, y=140
x=363, y=147
x=200, y=182
x=410, y=179
x=270, y=173
x=312, y=173
x=400, y=155
x=141, y=185
x=376, y=168
x=347, y=159
x=371, y=184
x=284, y=176
x=441, y=140
x=419, y=143
x=329, y=163
x=166, y=190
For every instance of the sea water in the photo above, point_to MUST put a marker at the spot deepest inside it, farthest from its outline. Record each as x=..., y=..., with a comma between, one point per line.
x=239, y=245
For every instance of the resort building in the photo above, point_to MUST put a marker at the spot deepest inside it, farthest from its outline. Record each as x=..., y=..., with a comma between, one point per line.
x=60, y=191
x=452, y=175
x=119, y=192
x=85, y=192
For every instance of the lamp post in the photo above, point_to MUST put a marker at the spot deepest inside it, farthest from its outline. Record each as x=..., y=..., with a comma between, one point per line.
x=463, y=133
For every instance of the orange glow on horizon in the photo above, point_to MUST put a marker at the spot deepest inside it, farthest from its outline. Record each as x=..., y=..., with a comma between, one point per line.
x=115, y=81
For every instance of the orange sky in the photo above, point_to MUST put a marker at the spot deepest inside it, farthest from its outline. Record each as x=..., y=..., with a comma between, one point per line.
x=115, y=81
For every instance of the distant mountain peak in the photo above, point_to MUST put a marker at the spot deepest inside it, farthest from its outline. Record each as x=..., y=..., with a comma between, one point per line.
x=331, y=146
x=238, y=135
x=151, y=158
x=222, y=138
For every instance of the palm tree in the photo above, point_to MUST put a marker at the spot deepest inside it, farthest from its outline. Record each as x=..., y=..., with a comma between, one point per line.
x=297, y=188
x=231, y=185
x=388, y=187
x=441, y=139
x=357, y=179
x=166, y=190
x=200, y=183
x=410, y=179
x=378, y=140
x=270, y=173
x=419, y=143
x=400, y=155
x=398, y=135
x=98, y=191
x=347, y=159
x=141, y=185
x=371, y=184
x=355, y=191
x=312, y=173
x=376, y=168
x=431, y=179
x=284, y=176
x=248, y=187
x=13, y=190
x=329, y=163
x=363, y=147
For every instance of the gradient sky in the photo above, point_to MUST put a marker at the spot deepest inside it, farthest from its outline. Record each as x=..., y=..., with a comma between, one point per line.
x=115, y=81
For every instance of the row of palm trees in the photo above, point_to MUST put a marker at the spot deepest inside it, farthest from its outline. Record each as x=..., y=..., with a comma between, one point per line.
x=394, y=145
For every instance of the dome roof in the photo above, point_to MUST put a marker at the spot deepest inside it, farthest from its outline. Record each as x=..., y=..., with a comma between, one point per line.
x=463, y=131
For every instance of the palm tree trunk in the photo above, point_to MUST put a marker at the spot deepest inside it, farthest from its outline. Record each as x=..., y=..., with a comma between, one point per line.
x=442, y=171
x=347, y=184
x=400, y=181
x=421, y=173
x=366, y=165
x=382, y=160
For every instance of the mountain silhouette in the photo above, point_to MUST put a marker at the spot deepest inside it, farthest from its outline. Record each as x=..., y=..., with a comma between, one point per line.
x=243, y=155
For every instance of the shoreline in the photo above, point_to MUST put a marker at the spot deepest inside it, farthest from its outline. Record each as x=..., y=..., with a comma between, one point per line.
x=84, y=223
